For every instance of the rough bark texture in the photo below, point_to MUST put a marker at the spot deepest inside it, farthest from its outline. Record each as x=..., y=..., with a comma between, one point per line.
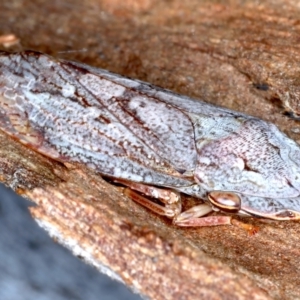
x=240, y=54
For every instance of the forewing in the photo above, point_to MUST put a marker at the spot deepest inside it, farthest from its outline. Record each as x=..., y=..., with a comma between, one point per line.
x=96, y=124
x=159, y=126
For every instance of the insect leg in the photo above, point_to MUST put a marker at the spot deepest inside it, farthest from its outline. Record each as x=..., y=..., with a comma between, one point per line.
x=193, y=217
x=170, y=198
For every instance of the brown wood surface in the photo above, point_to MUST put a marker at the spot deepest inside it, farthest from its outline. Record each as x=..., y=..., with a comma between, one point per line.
x=240, y=54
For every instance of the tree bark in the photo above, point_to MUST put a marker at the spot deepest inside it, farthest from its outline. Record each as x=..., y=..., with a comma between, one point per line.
x=239, y=54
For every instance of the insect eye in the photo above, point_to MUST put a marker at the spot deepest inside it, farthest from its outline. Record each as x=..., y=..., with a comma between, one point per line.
x=225, y=201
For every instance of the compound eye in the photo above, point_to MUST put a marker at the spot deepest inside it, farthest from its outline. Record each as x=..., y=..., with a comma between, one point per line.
x=225, y=201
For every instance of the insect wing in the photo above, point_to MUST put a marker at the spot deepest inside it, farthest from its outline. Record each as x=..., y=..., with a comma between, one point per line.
x=104, y=125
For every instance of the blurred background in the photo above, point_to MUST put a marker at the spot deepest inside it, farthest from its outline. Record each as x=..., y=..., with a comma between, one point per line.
x=33, y=266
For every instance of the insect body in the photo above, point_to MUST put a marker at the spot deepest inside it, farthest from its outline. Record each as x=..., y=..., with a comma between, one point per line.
x=147, y=137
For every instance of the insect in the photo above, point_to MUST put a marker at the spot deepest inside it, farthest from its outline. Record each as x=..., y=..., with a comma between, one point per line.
x=151, y=140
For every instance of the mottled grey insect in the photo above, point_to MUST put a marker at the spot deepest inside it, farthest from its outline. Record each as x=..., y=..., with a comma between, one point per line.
x=146, y=137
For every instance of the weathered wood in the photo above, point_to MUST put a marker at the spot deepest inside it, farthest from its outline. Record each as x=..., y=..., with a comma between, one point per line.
x=243, y=56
